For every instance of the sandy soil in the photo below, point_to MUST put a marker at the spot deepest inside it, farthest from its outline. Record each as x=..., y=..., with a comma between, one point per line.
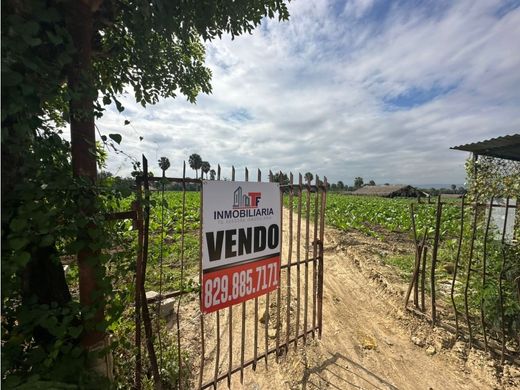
x=368, y=342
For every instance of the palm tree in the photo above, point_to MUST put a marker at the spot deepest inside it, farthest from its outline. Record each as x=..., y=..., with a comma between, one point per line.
x=308, y=177
x=195, y=163
x=164, y=164
x=204, y=167
x=212, y=174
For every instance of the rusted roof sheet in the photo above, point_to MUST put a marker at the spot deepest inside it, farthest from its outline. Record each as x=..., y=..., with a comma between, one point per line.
x=386, y=190
x=378, y=190
x=506, y=147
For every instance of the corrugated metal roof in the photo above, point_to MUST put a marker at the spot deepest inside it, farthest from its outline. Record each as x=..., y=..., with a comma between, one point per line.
x=384, y=190
x=506, y=147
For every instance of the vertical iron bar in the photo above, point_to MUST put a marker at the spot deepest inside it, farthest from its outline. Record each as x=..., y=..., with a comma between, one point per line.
x=413, y=281
x=183, y=232
x=230, y=321
x=298, y=259
x=470, y=262
x=306, y=281
x=500, y=288
x=423, y=273
x=416, y=279
x=322, y=260
x=484, y=266
x=267, y=304
x=161, y=249
x=434, y=257
x=255, y=337
x=456, y=267
x=289, y=262
x=144, y=304
x=314, y=261
x=278, y=289
x=217, y=350
x=138, y=282
x=243, y=339
x=202, y=336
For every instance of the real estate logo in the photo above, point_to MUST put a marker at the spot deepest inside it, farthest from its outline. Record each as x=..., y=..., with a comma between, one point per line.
x=243, y=201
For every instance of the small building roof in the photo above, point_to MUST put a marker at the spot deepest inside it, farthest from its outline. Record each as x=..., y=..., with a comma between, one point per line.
x=506, y=147
x=384, y=190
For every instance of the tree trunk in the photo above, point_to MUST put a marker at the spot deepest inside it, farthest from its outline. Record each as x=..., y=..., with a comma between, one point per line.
x=83, y=142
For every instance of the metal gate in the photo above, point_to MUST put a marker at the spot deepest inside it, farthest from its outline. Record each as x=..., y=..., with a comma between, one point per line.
x=212, y=347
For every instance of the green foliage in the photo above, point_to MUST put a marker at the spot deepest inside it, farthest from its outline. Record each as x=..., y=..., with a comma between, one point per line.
x=171, y=236
x=369, y=214
x=281, y=178
x=156, y=49
x=495, y=178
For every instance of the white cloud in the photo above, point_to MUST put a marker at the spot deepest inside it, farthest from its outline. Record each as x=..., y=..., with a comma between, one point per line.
x=313, y=94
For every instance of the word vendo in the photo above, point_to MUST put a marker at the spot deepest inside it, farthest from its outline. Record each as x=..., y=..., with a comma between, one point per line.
x=241, y=241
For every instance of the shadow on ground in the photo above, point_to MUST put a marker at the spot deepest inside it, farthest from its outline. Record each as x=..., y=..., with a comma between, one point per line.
x=341, y=372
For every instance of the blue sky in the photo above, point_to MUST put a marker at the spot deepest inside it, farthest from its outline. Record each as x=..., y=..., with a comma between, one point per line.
x=378, y=89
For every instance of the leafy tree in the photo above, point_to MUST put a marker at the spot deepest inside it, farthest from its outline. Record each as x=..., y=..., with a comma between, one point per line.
x=340, y=185
x=212, y=174
x=62, y=62
x=281, y=178
x=205, y=167
x=164, y=164
x=195, y=162
x=358, y=182
x=308, y=177
x=371, y=183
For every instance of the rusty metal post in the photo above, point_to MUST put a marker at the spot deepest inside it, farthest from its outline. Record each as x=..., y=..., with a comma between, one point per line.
x=298, y=259
x=469, y=269
x=289, y=262
x=321, y=259
x=278, y=289
x=202, y=335
x=415, y=273
x=434, y=258
x=138, y=282
x=255, y=337
x=484, y=266
x=314, y=257
x=500, y=286
x=243, y=328
x=307, y=243
x=144, y=304
x=456, y=267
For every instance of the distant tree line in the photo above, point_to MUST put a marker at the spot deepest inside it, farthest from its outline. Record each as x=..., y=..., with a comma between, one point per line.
x=195, y=162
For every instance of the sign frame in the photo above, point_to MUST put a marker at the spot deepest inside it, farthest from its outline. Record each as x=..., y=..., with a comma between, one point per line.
x=241, y=236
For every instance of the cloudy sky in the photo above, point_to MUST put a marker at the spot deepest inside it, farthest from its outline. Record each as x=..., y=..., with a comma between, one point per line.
x=371, y=88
